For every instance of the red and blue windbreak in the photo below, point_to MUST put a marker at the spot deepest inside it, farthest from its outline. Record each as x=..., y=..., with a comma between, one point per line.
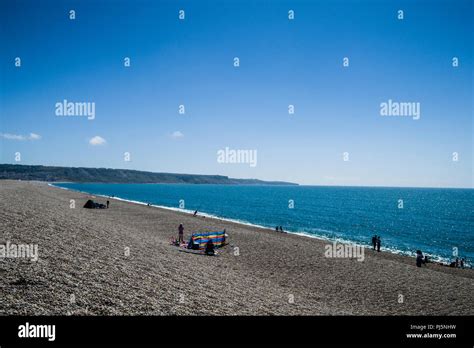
x=218, y=239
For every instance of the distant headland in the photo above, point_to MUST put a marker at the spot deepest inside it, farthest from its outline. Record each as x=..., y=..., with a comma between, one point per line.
x=107, y=175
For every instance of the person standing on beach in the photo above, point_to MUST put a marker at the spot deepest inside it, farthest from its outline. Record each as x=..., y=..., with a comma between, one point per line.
x=108, y=204
x=374, y=241
x=180, y=234
x=209, y=251
x=419, y=258
x=378, y=243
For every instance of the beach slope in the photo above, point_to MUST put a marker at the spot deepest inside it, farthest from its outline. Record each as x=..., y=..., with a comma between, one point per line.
x=119, y=261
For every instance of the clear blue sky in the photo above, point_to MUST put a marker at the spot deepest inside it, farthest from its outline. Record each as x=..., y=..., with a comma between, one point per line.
x=283, y=62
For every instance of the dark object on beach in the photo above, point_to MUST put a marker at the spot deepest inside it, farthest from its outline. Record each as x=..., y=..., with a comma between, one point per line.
x=374, y=241
x=209, y=248
x=419, y=258
x=90, y=204
x=418, y=261
x=181, y=234
x=195, y=213
x=426, y=260
x=281, y=229
x=462, y=263
x=108, y=204
x=378, y=243
x=192, y=245
x=276, y=229
x=452, y=264
x=457, y=262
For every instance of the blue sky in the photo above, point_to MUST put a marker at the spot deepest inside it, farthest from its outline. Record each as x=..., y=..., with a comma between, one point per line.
x=282, y=62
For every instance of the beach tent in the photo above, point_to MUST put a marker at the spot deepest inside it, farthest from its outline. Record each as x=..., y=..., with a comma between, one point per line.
x=89, y=204
x=199, y=240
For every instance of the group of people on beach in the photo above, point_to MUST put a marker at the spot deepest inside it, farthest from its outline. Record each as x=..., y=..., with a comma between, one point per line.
x=279, y=229
x=458, y=263
x=420, y=259
x=209, y=249
x=376, y=242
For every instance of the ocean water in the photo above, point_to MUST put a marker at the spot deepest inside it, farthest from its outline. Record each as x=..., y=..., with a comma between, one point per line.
x=435, y=221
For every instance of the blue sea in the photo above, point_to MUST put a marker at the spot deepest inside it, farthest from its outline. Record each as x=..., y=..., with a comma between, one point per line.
x=433, y=220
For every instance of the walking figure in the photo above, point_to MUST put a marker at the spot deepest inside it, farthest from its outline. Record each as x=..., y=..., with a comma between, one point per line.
x=180, y=234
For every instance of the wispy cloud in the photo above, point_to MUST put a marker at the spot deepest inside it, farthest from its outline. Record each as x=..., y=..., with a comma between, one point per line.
x=177, y=134
x=19, y=137
x=97, y=140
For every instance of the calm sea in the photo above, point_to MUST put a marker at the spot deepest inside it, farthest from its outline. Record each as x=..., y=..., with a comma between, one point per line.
x=433, y=220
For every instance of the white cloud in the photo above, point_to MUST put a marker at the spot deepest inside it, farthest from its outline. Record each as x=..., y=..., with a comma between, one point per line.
x=20, y=137
x=177, y=134
x=97, y=140
x=12, y=136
